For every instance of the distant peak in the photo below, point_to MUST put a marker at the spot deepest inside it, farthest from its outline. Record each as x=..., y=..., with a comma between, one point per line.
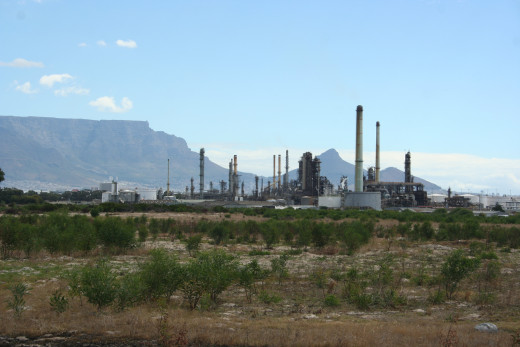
x=329, y=153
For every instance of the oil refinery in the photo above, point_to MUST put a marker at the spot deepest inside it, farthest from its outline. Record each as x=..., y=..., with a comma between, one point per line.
x=309, y=189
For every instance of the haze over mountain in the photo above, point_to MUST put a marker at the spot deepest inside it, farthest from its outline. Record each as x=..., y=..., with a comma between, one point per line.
x=42, y=153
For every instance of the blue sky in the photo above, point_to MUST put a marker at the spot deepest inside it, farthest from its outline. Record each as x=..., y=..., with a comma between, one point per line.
x=254, y=78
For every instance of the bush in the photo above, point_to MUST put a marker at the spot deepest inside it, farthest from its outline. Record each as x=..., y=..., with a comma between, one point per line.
x=456, y=267
x=279, y=267
x=219, y=234
x=248, y=275
x=114, y=233
x=193, y=244
x=268, y=298
x=17, y=302
x=161, y=275
x=130, y=291
x=58, y=302
x=258, y=252
x=99, y=284
x=331, y=301
x=210, y=273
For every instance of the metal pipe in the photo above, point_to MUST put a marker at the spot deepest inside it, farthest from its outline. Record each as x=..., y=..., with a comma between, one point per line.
x=378, y=166
x=359, y=149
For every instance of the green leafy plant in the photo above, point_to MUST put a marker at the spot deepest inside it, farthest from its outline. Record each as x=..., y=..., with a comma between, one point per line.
x=99, y=284
x=59, y=303
x=17, y=301
x=279, y=267
x=161, y=275
x=331, y=301
x=456, y=267
x=269, y=298
x=193, y=244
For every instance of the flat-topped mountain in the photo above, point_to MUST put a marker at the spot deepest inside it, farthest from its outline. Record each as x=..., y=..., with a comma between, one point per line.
x=82, y=153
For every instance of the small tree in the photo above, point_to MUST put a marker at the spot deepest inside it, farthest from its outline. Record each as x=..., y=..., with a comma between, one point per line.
x=498, y=208
x=456, y=267
x=248, y=275
x=279, y=267
x=161, y=275
x=2, y=175
x=193, y=244
x=99, y=284
x=17, y=302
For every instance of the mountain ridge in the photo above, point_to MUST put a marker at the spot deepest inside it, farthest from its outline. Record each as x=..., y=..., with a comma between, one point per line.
x=82, y=153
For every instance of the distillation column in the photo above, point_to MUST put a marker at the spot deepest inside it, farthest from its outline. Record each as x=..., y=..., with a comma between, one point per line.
x=378, y=166
x=279, y=172
x=359, y=149
x=202, y=173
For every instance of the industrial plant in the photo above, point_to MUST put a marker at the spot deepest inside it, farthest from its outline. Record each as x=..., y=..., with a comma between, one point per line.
x=309, y=189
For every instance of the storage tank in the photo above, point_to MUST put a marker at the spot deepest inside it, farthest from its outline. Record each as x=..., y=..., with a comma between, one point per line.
x=437, y=198
x=363, y=200
x=127, y=196
x=329, y=201
x=147, y=194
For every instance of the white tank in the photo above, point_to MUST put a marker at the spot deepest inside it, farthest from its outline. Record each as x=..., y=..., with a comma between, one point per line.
x=147, y=194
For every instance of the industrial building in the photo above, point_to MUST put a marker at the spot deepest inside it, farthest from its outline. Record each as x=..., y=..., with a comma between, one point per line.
x=310, y=188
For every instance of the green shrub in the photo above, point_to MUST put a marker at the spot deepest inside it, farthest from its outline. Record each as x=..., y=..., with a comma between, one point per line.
x=248, y=275
x=437, y=297
x=193, y=244
x=161, y=275
x=114, y=233
x=268, y=298
x=258, y=252
x=331, y=301
x=17, y=301
x=456, y=267
x=58, y=302
x=279, y=267
x=130, y=291
x=98, y=284
x=219, y=234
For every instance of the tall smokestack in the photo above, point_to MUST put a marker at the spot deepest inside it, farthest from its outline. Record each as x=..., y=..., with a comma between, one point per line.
x=286, y=178
x=168, y=184
x=279, y=171
x=359, y=149
x=378, y=166
x=235, y=176
x=274, y=171
x=202, y=173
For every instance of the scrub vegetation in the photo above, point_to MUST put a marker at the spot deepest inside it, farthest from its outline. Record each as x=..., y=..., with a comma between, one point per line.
x=258, y=277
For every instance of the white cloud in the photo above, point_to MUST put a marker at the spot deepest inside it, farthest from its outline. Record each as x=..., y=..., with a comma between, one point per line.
x=20, y=62
x=101, y=43
x=107, y=104
x=49, y=80
x=127, y=44
x=82, y=44
x=71, y=90
x=26, y=88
